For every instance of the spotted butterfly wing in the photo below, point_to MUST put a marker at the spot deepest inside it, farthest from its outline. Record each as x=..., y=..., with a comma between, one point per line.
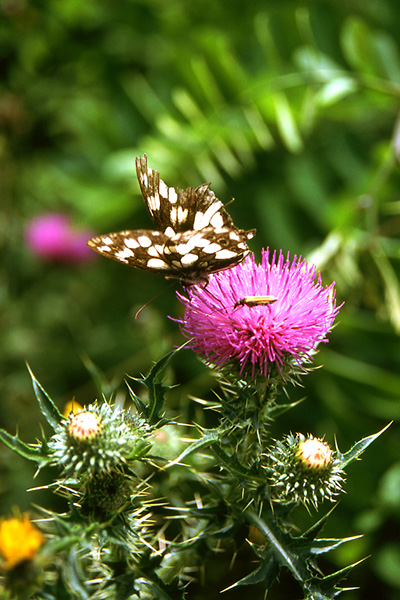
x=194, y=235
x=179, y=210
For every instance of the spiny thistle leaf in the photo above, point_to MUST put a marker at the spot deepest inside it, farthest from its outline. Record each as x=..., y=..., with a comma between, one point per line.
x=266, y=573
x=358, y=448
x=34, y=453
x=152, y=412
x=321, y=545
x=326, y=544
x=57, y=545
x=73, y=575
x=209, y=437
x=321, y=588
x=279, y=409
x=281, y=544
x=46, y=404
x=131, y=583
x=234, y=466
x=294, y=554
x=314, y=530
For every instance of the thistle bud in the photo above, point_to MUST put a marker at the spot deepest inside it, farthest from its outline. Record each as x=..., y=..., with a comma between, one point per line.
x=303, y=471
x=106, y=493
x=98, y=439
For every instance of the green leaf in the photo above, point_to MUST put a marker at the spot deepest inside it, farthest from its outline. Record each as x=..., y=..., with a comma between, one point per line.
x=323, y=545
x=34, y=453
x=266, y=573
x=372, y=52
x=208, y=438
x=47, y=406
x=234, y=466
x=152, y=411
x=102, y=385
x=359, y=447
x=362, y=372
x=392, y=287
x=286, y=123
x=336, y=90
x=327, y=587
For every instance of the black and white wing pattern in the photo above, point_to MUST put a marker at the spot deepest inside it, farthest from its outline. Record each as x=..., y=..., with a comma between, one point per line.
x=180, y=210
x=194, y=236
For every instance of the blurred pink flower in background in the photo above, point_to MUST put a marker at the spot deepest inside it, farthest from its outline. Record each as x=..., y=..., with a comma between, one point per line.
x=51, y=236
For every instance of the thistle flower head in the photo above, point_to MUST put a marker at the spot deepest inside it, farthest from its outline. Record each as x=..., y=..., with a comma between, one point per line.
x=98, y=439
x=52, y=237
x=314, y=454
x=303, y=470
x=19, y=540
x=72, y=406
x=253, y=318
x=84, y=425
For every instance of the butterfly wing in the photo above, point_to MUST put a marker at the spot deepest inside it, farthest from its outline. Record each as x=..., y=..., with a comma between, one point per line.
x=175, y=211
x=193, y=255
x=141, y=248
x=190, y=256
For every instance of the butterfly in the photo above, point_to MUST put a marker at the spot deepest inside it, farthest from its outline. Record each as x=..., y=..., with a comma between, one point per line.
x=194, y=236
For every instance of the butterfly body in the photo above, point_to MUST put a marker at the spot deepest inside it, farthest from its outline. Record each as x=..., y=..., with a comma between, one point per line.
x=194, y=236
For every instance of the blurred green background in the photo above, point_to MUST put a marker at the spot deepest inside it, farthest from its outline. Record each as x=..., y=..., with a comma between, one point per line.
x=291, y=108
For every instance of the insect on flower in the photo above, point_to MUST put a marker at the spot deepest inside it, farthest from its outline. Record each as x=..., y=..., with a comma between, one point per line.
x=255, y=301
x=194, y=235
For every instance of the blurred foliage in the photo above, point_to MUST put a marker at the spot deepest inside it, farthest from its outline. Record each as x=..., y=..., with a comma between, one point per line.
x=291, y=107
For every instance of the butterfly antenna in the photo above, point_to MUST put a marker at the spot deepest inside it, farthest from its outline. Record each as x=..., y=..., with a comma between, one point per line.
x=153, y=298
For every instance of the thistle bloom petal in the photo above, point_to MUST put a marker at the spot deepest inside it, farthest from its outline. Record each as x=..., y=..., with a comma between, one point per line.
x=254, y=317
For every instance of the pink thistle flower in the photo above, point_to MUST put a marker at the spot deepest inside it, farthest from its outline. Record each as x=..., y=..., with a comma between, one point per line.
x=294, y=313
x=52, y=237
